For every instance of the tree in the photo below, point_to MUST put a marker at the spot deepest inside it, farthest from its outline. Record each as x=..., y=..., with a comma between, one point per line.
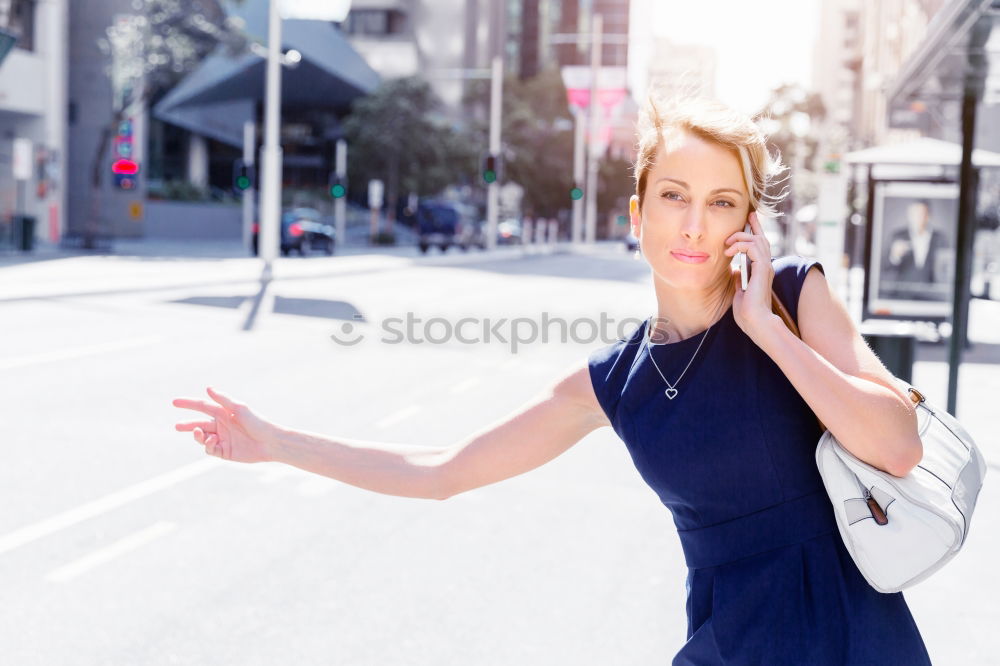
x=615, y=185
x=537, y=132
x=790, y=118
x=148, y=52
x=399, y=133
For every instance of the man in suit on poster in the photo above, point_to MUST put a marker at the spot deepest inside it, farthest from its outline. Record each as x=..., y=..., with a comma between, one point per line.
x=913, y=261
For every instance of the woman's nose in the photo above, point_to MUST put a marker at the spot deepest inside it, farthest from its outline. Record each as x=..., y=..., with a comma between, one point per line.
x=693, y=225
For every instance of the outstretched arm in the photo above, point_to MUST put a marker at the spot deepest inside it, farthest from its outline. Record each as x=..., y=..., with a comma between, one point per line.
x=544, y=427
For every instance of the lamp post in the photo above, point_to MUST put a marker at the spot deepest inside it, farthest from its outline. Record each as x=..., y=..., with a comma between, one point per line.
x=270, y=194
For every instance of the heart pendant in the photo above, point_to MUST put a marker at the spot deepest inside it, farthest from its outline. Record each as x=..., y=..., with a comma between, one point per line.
x=671, y=392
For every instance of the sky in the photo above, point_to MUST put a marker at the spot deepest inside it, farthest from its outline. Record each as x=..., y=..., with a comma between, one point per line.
x=759, y=44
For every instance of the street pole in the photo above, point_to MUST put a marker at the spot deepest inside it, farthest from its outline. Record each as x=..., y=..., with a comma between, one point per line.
x=493, y=189
x=249, y=194
x=270, y=202
x=340, y=205
x=579, y=164
x=592, y=125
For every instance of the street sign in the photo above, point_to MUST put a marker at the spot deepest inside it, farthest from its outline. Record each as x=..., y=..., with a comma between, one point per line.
x=22, y=159
x=316, y=10
x=375, y=191
x=612, y=86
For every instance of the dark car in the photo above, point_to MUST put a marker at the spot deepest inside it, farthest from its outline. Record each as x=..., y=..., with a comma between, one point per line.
x=438, y=223
x=302, y=230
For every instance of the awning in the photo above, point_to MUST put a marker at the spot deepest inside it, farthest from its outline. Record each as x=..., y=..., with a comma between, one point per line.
x=331, y=74
x=922, y=151
x=962, y=44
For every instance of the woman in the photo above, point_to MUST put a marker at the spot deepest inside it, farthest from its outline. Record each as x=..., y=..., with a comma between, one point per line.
x=716, y=401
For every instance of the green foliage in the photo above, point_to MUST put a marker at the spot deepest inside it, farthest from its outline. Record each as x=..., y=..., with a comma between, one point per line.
x=398, y=134
x=785, y=104
x=537, y=131
x=615, y=186
x=791, y=118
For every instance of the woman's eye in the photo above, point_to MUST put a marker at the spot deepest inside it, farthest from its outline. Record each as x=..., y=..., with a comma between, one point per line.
x=729, y=204
x=666, y=195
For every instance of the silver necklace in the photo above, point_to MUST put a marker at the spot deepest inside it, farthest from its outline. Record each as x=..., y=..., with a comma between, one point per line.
x=671, y=391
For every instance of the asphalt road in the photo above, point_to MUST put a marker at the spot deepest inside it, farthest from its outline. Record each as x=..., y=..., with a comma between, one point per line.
x=121, y=542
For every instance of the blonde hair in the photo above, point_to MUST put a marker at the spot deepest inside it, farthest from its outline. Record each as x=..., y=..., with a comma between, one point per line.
x=713, y=121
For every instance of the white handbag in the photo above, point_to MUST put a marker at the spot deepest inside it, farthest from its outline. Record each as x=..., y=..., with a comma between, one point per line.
x=900, y=530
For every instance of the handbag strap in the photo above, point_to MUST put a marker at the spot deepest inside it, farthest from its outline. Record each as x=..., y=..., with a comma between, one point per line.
x=778, y=308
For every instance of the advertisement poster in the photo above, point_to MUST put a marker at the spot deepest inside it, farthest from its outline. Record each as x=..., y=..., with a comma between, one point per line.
x=913, y=250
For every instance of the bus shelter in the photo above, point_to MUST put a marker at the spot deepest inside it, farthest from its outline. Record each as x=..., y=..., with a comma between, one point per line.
x=948, y=86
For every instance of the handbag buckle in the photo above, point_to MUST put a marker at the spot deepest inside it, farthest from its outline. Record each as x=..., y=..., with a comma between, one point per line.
x=877, y=513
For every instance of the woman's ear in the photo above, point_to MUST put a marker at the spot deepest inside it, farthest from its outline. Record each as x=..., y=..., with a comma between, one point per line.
x=633, y=214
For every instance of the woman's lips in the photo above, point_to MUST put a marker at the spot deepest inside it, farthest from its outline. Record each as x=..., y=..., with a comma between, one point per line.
x=691, y=259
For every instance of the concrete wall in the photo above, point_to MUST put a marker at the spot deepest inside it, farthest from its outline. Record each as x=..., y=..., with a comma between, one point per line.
x=192, y=220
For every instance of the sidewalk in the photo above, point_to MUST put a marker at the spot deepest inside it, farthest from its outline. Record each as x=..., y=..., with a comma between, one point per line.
x=164, y=248
x=137, y=265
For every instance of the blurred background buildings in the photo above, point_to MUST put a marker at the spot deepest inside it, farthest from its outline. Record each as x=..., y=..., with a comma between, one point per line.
x=68, y=70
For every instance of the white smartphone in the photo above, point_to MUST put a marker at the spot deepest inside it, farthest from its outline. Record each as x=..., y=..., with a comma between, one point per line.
x=743, y=261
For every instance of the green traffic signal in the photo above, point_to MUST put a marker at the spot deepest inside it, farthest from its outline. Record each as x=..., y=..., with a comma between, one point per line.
x=576, y=194
x=490, y=167
x=338, y=191
x=242, y=183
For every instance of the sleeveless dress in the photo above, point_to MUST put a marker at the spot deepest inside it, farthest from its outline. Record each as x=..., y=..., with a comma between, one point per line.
x=732, y=456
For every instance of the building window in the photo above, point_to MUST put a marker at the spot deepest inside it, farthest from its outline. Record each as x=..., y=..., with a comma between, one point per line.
x=375, y=22
x=18, y=16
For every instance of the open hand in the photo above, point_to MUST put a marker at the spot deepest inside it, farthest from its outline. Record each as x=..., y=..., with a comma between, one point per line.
x=234, y=431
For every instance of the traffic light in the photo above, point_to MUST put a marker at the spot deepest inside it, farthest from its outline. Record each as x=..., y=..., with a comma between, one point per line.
x=338, y=186
x=576, y=193
x=490, y=169
x=242, y=176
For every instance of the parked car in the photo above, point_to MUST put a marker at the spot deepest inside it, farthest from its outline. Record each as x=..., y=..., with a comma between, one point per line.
x=631, y=242
x=302, y=230
x=509, y=231
x=438, y=223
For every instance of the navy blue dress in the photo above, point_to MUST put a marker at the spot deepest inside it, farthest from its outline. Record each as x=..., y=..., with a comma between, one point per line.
x=732, y=456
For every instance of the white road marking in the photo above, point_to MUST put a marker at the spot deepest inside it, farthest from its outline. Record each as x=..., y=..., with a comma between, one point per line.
x=398, y=416
x=78, y=352
x=102, y=555
x=466, y=385
x=61, y=521
x=274, y=472
x=315, y=487
x=511, y=363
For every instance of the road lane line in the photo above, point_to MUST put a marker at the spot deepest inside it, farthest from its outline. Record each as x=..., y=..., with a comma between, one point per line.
x=78, y=352
x=61, y=521
x=465, y=385
x=396, y=417
x=102, y=555
x=315, y=487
